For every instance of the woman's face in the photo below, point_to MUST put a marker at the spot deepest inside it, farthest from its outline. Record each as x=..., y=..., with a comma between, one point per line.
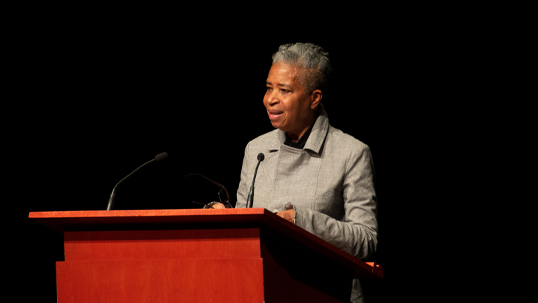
x=286, y=102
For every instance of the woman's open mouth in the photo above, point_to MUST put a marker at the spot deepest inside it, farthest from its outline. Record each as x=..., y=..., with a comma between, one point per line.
x=274, y=114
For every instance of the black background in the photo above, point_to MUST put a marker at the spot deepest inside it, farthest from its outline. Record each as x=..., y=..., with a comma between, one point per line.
x=98, y=94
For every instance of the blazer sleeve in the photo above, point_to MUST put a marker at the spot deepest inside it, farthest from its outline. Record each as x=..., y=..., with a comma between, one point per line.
x=356, y=233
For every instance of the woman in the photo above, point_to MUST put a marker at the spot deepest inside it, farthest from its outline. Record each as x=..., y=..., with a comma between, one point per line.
x=313, y=175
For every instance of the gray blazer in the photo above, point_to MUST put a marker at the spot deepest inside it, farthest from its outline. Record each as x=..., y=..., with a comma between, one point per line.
x=330, y=184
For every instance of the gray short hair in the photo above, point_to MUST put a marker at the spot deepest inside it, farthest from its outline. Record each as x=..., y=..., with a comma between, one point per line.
x=311, y=59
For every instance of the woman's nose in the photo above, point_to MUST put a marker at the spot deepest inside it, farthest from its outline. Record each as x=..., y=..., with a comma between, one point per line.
x=272, y=98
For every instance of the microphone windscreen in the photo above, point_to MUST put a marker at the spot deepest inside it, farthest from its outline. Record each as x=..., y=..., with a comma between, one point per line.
x=261, y=156
x=161, y=157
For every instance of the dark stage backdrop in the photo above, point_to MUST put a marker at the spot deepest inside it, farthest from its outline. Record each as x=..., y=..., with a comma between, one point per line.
x=98, y=101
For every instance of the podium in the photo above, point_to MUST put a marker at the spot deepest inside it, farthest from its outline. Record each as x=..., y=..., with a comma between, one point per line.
x=197, y=255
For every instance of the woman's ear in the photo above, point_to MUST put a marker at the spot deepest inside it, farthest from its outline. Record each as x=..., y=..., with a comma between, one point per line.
x=317, y=95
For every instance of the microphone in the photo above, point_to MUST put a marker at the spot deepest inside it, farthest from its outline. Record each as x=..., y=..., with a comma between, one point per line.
x=160, y=157
x=261, y=156
x=221, y=191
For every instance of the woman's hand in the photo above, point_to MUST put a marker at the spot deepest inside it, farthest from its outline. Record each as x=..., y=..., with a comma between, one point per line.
x=288, y=215
x=215, y=205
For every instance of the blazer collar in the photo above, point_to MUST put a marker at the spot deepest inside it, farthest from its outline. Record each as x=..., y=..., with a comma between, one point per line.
x=317, y=136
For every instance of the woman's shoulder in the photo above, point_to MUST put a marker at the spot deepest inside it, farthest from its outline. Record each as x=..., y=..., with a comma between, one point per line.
x=344, y=140
x=264, y=139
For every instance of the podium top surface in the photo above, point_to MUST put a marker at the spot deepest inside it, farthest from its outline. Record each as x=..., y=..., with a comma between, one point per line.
x=146, y=213
x=59, y=220
x=143, y=215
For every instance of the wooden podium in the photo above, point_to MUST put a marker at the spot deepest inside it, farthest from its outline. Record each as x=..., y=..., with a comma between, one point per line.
x=197, y=255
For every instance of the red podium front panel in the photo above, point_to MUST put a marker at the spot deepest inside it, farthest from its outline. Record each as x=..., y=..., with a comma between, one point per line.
x=192, y=265
x=187, y=280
